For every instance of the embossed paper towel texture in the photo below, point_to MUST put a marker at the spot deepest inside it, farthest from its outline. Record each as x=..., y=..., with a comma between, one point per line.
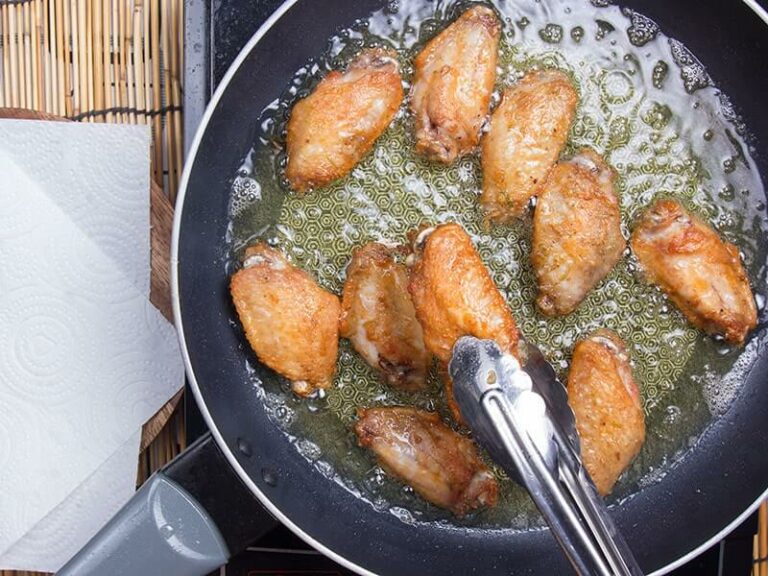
x=68, y=527
x=111, y=166
x=85, y=358
x=92, y=172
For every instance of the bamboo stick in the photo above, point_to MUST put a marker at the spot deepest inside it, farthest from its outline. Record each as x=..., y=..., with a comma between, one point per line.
x=5, y=93
x=157, y=99
x=29, y=26
x=124, y=57
x=60, y=82
x=138, y=59
x=116, y=57
x=177, y=63
x=37, y=95
x=27, y=32
x=6, y=55
x=69, y=41
x=130, y=65
x=170, y=119
x=14, y=72
x=106, y=61
x=54, y=57
x=3, y=50
x=89, y=58
x=82, y=47
x=77, y=91
x=17, y=54
x=165, y=21
x=46, y=56
x=96, y=57
x=145, y=36
x=18, y=33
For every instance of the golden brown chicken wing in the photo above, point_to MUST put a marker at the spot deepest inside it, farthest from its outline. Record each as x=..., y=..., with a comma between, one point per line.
x=605, y=399
x=454, y=78
x=291, y=323
x=527, y=133
x=441, y=465
x=379, y=319
x=577, y=237
x=454, y=294
x=702, y=275
x=334, y=127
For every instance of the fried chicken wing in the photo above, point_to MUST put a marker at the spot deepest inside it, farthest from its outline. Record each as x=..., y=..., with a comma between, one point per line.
x=454, y=78
x=454, y=294
x=379, y=319
x=606, y=402
x=527, y=132
x=577, y=237
x=416, y=447
x=331, y=130
x=290, y=322
x=700, y=273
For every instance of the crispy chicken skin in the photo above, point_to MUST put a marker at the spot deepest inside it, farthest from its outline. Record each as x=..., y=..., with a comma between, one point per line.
x=577, y=237
x=454, y=294
x=416, y=447
x=700, y=273
x=606, y=402
x=378, y=317
x=331, y=130
x=290, y=322
x=527, y=132
x=454, y=78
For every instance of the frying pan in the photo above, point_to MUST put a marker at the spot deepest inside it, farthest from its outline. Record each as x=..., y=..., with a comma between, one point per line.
x=208, y=504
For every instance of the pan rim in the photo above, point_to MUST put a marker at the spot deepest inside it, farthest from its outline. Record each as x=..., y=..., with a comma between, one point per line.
x=201, y=130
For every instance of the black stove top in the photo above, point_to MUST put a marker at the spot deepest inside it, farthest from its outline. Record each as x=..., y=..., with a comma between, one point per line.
x=216, y=30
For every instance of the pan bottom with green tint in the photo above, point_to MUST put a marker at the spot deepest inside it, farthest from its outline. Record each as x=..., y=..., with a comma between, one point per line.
x=646, y=104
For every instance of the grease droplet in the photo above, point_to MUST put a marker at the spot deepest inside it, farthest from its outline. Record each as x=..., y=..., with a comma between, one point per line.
x=269, y=476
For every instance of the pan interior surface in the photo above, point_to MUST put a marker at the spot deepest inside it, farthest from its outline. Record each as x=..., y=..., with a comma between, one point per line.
x=645, y=106
x=677, y=139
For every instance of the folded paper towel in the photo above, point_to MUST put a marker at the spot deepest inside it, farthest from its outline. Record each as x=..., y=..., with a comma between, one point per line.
x=84, y=358
x=48, y=545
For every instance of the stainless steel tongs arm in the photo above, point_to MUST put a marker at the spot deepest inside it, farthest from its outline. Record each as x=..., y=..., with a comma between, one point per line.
x=577, y=525
x=515, y=424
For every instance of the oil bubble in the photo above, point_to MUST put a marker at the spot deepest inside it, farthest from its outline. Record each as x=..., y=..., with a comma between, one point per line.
x=551, y=33
x=577, y=33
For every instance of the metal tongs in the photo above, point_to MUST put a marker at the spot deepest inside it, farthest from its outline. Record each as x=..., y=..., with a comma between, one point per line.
x=522, y=417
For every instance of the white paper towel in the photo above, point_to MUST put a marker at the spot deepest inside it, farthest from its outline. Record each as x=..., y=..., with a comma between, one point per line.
x=84, y=358
x=69, y=526
x=98, y=174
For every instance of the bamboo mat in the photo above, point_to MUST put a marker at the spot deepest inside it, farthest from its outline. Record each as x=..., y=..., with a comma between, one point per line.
x=100, y=61
x=117, y=61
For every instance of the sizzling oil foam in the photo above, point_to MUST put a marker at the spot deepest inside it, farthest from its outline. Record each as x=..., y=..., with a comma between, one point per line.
x=646, y=103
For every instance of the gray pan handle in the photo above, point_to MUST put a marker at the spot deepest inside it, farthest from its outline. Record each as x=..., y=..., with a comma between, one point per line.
x=161, y=530
x=186, y=520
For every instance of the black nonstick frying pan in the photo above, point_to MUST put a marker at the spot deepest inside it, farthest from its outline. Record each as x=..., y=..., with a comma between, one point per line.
x=201, y=508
